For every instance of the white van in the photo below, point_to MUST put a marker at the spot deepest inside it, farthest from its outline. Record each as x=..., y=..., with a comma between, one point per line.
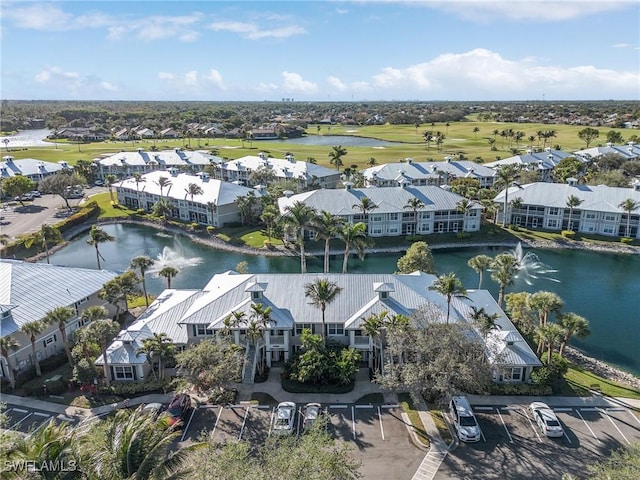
x=464, y=421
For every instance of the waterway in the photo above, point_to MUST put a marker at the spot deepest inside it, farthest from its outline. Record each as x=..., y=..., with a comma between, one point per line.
x=603, y=287
x=26, y=138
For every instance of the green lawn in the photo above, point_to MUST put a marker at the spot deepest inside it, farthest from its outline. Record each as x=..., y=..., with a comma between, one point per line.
x=580, y=382
x=107, y=209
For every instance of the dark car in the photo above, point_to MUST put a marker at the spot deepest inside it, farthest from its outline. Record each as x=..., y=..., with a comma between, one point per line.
x=178, y=409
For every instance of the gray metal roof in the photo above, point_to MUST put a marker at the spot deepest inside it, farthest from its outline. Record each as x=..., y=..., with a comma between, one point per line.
x=424, y=170
x=28, y=167
x=629, y=151
x=545, y=160
x=163, y=159
x=30, y=290
x=598, y=198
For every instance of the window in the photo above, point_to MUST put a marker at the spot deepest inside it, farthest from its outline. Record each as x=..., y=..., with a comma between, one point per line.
x=123, y=373
x=276, y=333
x=609, y=217
x=512, y=374
x=201, y=330
x=552, y=223
x=590, y=215
x=376, y=218
x=376, y=231
x=302, y=326
x=49, y=340
x=607, y=229
x=255, y=295
x=335, y=329
x=393, y=216
x=554, y=210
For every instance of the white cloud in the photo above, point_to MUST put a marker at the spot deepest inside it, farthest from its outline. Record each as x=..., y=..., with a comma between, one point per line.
x=295, y=83
x=336, y=83
x=252, y=31
x=53, y=77
x=621, y=45
x=266, y=87
x=192, y=82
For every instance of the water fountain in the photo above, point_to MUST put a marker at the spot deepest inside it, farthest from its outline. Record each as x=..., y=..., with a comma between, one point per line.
x=530, y=267
x=171, y=258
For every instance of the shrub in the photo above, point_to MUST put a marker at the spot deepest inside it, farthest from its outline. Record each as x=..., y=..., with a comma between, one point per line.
x=194, y=226
x=210, y=229
x=520, y=389
x=292, y=386
x=626, y=240
x=226, y=397
x=568, y=234
x=51, y=363
x=463, y=235
x=140, y=211
x=413, y=238
x=137, y=388
x=513, y=227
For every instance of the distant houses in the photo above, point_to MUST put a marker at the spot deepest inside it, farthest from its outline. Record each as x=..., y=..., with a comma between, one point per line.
x=543, y=162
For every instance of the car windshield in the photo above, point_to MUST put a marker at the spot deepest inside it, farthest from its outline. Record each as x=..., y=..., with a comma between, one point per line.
x=282, y=422
x=553, y=423
x=467, y=422
x=312, y=412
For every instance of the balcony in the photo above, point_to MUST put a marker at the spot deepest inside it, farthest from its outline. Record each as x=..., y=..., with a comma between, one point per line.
x=359, y=340
x=276, y=340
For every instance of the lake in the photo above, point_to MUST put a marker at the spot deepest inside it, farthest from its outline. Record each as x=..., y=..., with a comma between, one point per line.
x=603, y=287
x=27, y=138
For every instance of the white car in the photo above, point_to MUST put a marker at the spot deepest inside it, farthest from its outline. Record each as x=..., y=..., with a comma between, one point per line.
x=311, y=413
x=284, y=418
x=546, y=419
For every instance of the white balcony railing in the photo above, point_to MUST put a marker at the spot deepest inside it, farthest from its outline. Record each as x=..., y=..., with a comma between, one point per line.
x=361, y=340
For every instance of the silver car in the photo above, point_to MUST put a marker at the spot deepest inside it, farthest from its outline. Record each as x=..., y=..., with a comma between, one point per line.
x=546, y=419
x=284, y=418
x=311, y=413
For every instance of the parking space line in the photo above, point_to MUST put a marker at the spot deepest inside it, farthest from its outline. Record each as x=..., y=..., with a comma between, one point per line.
x=482, y=408
x=215, y=425
x=263, y=407
x=244, y=421
x=391, y=406
x=19, y=410
x=21, y=420
x=39, y=414
x=562, y=409
x=65, y=418
x=353, y=421
x=614, y=424
x=380, y=419
x=590, y=409
x=186, y=427
x=364, y=406
x=273, y=412
x=504, y=425
x=587, y=425
x=338, y=406
x=633, y=415
x=531, y=424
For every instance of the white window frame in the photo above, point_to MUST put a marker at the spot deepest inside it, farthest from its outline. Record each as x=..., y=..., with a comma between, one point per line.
x=335, y=329
x=201, y=330
x=121, y=372
x=301, y=326
x=509, y=374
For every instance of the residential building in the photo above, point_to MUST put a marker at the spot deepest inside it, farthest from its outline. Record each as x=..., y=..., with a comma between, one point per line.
x=124, y=164
x=215, y=206
x=28, y=291
x=438, y=213
x=543, y=162
x=427, y=173
x=191, y=315
x=305, y=174
x=630, y=151
x=34, y=170
x=544, y=206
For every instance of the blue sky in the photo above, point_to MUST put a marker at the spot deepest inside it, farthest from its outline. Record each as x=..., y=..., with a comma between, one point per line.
x=320, y=50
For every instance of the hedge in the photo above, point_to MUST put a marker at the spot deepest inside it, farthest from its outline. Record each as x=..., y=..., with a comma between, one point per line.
x=292, y=386
x=520, y=389
x=137, y=388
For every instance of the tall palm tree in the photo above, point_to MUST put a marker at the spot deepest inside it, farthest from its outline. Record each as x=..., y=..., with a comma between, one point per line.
x=162, y=208
x=365, y=206
x=103, y=331
x=629, y=205
x=163, y=348
x=480, y=263
x=43, y=237
x=326, y=226
x=505, y=177
x=143, y=263
x=573, y=325
x=8, y=343
x=138, y=178
x=549, y=336
x=372, y=327
x=322, y=292
x=503, y=271
x=60, y=317
x=111, y=180
x=450, y=286
x=299, y=216
x=168, y=273
x=572, y=202
x=192, y=190
x=485, y=321
x=336, y=154
x=96, y=237
x=163, y=182
x=259, y=320
x=353, y=236
x=545, y=303
x=147, y=349
x=32, y=330
x=464, y=206
x=414, y=204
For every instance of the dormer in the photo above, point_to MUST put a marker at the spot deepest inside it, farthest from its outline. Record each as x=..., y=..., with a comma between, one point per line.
x=173, y=171
x=289, y=157
x=257, y=290
x=447, y=159
x=262, y=155
x=348, y=185
x=140, y=150
x=8, y=159
x=383, y=289
x=572, y=181
x=63, y=164
x=126, y=338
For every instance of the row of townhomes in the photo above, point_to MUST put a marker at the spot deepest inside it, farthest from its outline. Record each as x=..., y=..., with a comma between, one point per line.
x=543, y=205
x=125, y=164
x=438, y=212
x=34, y=170
x=188, y=316
x=28, y=291
x=216, y=205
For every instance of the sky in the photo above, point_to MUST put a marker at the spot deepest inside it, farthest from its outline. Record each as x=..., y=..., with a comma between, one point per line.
x=323, y=50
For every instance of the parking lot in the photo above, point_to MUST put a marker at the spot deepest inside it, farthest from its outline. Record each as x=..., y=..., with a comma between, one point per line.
x=378, y=434
x=26, y=420
x=513, y=446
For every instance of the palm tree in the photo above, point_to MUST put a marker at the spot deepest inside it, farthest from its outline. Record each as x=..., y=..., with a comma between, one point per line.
x=9, y=343
x=450, y=286
x=163, y=182
x=260, y=318
x=353, y=236
x=46, y=235
x=143, y=263
x=464, y=206
x=82, y=336
x=572, y=202
x=32, y=330
x=414, y=204
x=299, y=216
x=147, y=349
x=365, y=206
x=322, y=292
x=60, y=316
x=548, y=335
x=158, y=346
x=372, y=327
x=96, y=237
x=629, y=205
x=372, y=162
x=545, y=303
x=192, y=190
x=162, y=208
x=103, y=331
x=111, y=180
x=336, y=155
x=504, y=269
x=168, y=273
x=485, y=321
x=480, y=263
x=573, y=325
x=506, y=176
x=138, y=178
x=326, y=226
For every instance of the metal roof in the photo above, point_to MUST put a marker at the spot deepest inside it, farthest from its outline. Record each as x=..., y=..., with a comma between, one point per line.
x=164, y=159
x=28, y=167
x=422, y=170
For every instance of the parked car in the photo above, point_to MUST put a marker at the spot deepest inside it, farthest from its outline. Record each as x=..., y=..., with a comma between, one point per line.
x=546, y=419
x=153, y=409
x=311, y=413
x=98, y=183
x=178, y=409
x=284, y=418
x=24, y=197
x=35, y=193
x=464, y=421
